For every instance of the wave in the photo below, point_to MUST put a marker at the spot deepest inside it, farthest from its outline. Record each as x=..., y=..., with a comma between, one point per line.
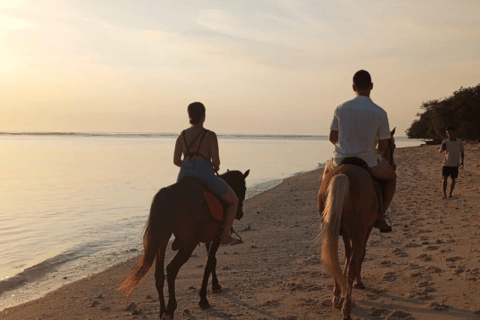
x=158, y=135
x=43, y=268
x=91, y=134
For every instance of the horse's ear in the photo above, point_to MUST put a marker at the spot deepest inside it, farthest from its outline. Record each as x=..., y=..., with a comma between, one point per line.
x=393, y=131
x=246, y=173
x=228, y=170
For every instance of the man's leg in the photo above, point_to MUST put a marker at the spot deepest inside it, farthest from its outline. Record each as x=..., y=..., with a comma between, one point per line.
x=452, y=186
x=445, y=181
x=385, y=171
x=454, y=175
x=445, y=175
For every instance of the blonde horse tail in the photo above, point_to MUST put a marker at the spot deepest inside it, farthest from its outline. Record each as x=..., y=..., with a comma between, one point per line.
x=337, y=196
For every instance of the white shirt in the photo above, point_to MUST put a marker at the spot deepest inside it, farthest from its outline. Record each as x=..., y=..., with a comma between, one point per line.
x=360, y=124
x=452, y=155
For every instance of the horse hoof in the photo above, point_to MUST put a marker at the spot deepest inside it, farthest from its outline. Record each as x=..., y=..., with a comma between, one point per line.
x=217, y=289
x=337, y=302
x=167, y=317
x=359, y=285
x=204, y=305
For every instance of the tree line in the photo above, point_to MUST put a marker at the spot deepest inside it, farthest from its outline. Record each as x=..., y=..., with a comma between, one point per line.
x=461, y=110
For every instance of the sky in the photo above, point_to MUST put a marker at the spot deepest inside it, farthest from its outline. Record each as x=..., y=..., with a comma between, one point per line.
x=260, y=67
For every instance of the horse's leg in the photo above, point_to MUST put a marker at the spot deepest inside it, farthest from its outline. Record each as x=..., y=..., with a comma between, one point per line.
x=337, y=300
x=358, y=252
x=159, y=273
x=216, y=287
x=358, y=284
x=173, y=267
x=209, y=268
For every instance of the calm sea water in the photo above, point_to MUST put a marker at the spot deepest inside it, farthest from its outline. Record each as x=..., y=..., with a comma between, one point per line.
x=75, y=204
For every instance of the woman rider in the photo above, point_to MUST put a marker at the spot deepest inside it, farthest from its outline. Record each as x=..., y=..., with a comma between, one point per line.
x=201, y=159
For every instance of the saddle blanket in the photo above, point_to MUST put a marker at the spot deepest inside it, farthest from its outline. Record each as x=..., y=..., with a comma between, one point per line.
x=215, y=206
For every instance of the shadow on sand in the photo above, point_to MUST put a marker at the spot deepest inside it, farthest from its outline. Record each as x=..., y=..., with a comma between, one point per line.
x=365, y=308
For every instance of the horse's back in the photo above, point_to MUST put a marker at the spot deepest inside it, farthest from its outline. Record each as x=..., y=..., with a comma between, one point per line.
x=191, y=220
x=363, y=203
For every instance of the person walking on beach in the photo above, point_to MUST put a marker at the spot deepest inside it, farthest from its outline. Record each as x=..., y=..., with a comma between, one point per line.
x=453, y=148
x=360, y=129
x=201, y=159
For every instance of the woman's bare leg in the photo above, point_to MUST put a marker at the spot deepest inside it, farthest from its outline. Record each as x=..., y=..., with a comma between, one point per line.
x=232, y=205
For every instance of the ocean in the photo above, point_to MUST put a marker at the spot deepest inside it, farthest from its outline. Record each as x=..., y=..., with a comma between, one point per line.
x=74, y=204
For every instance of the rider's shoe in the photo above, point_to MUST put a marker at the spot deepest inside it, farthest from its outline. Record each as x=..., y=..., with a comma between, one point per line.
x=382, y=226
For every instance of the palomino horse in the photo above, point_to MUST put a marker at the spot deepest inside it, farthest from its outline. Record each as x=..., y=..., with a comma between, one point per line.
x=182, y=210
x=349, y=199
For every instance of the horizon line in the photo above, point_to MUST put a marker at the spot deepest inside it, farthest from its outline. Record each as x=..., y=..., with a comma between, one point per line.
x=119, y=133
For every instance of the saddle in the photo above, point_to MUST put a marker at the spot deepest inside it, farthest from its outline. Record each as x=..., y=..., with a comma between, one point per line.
x=215, y=205
x=378, y=184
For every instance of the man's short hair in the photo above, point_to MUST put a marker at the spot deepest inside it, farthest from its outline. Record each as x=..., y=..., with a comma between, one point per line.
x=450, y=128
x=362, y=79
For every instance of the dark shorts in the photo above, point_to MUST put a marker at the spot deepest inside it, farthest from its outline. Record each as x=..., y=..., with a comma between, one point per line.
x=450, y=172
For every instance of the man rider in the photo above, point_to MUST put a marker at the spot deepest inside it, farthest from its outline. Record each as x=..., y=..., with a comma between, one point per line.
x=360, y=129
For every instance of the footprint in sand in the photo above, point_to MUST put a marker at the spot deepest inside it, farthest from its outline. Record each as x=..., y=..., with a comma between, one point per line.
x=412, y=245
x=425, y=257
x=399, y=252
x=453, y=259
x=433, y=269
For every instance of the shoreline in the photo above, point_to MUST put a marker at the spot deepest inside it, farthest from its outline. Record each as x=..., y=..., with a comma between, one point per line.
x=428, y=268
x=20, y=282
x=24, y=285
x=32, y=263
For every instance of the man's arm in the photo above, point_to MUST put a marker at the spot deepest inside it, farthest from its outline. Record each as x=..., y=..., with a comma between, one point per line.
x=462, y=154
x=382, y=147
x=443, y=148
x=333, y=136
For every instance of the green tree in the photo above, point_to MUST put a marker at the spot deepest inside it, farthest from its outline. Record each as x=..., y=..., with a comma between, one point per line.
x=461, y=110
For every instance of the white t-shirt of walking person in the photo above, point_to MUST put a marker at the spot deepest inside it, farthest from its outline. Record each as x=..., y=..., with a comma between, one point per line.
x=452, y=155
x=360, y=124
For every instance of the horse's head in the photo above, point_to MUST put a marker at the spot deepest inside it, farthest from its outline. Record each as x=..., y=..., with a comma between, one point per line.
x=390, y=150
x=236, y=180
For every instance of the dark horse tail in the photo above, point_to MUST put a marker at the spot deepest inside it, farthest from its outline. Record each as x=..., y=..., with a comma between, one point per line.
x=159, y=211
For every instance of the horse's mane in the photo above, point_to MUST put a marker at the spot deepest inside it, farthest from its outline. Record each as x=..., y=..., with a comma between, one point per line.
x=230, y=174
x=233, y=178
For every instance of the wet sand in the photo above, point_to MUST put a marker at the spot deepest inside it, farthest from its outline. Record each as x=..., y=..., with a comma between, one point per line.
x=428, y=268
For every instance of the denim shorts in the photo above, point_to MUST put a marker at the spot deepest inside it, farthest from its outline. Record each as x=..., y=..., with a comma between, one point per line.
x=204, y=171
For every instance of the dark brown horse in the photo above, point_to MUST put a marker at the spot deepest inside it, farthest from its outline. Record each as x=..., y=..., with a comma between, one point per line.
x=181, y=210
x=349, y=199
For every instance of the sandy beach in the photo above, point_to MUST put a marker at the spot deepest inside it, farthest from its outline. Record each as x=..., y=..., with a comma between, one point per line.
x=427, y=268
